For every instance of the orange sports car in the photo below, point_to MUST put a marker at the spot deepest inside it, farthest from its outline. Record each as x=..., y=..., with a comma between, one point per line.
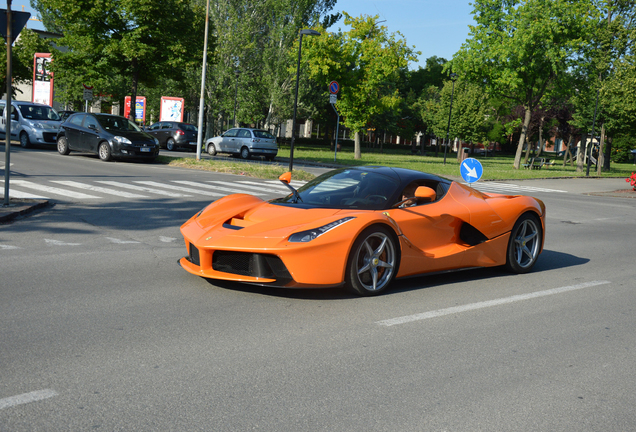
x=361, y=228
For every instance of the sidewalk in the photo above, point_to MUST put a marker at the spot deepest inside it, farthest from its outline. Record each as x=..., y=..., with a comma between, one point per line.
x=19, y=207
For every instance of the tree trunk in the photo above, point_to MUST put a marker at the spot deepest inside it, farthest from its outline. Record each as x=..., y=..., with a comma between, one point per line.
x=356, y=147
x=133, y=94
x=580, y=156
x=540, y=138
x=568, y=154
x=527, y=155
x=600, y=163
x=608, y=154
x=522, y=138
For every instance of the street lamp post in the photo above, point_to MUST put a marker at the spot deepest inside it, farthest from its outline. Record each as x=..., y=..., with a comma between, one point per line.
x=453, y=76
x=300, y=44
x=203, y=69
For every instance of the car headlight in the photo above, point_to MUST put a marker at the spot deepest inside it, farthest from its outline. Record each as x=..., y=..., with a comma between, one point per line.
x=156, y=141
x=309, y=235
x=122, y=140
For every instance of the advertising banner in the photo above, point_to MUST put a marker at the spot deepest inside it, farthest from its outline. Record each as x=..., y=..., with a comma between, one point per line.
x=42, y=79
x=140, y=108
x=171, y=109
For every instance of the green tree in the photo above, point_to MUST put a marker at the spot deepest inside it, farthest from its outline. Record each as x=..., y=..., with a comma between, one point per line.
x=27, y=44
x=365, y=61
x=522, y=50
x=137, y=41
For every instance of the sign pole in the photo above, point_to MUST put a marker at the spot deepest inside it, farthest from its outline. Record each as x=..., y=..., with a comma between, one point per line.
x=334, y=88
x=7, y=111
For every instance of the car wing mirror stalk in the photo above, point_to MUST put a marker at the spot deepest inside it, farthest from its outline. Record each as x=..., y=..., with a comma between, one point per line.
x=286, y=179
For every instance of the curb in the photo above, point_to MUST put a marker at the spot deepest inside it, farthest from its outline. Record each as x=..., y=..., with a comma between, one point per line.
x=20, y=207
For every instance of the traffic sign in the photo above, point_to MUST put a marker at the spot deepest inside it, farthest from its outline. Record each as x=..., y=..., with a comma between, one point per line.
x=333, y=98
x=334, y=87
x=471, y=170
x=88, y=94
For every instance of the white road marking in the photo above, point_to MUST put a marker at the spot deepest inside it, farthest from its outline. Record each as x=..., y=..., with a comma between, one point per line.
x=249, y=187
x=53, y=190
x=27, y=398
x=485, y=304
x=141, y=188
x=118, y=241
x=495, y=186
x=8, y=247
x=217, y=188
x=60, y=243
x=180, y=188
x=19, y=194
x=98, y=189
x=166, y=239
x=294, y=183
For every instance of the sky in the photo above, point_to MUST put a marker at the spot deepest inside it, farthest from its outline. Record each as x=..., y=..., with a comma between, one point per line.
x=434, y=27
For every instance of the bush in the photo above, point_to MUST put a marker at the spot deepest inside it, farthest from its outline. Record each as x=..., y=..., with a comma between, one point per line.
x=622, y=149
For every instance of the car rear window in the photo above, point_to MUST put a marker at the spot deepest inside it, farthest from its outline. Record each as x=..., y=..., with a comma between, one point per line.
x=188, y=127
x=263, y=134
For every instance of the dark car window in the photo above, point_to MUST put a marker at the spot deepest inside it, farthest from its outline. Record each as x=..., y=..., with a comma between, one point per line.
x=244, y=133
x=166, y=126
x=110, y=122
x=90, y=121
x=77, y=119
x=36, y=112
x=188, y=127
x=231, y=133
x=263, y=134
x=155, y=126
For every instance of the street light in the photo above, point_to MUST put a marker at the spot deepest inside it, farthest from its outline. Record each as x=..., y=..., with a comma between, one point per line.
x=203, y=69
x=453, y=77
x=300, y=44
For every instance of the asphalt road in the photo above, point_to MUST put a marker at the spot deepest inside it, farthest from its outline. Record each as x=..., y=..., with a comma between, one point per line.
x=100, y=329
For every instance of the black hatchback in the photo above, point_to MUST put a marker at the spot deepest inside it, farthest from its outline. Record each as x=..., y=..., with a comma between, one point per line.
x=174, y=135
x=106, y=135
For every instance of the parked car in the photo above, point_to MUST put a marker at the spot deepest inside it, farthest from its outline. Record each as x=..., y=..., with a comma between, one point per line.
x=106, y=135
x=64, y=114
x=174, y=135
x=244, y=142
x=31, y=123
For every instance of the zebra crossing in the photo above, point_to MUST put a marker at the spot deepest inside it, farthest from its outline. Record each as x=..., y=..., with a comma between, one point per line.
x=73, y=190
x=508, y=188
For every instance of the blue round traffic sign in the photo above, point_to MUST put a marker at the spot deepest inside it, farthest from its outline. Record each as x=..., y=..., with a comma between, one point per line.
x=334, y=87
x=471, y=170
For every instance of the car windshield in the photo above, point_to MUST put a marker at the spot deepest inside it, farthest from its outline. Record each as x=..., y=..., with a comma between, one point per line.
x=37, y=112
x=263, y=134
x=117, y=123
x=346, y=189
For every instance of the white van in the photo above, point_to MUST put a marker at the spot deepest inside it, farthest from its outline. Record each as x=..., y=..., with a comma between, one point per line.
x=31, y=123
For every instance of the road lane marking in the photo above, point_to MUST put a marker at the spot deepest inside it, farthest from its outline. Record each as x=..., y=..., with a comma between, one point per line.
x=143, y=189
x=180, y=188
x=60, y=243
x=481, y=305
x=216, y=188
x=53, y=190
x=495, y=186
x=34, y=396
x=250, y=187
x=119, y=241
x=107, y=191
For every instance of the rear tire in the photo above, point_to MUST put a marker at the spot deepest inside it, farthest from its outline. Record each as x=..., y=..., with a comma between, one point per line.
x=374, y=261
x=104, y=152
x=524, y=244
x=170, y=145
x=62, y=146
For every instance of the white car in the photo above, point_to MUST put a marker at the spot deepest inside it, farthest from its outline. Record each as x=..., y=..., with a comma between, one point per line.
x=244, y=142
x=31, y=123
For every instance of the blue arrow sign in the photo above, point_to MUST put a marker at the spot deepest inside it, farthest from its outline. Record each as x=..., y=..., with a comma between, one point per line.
x=471, y=170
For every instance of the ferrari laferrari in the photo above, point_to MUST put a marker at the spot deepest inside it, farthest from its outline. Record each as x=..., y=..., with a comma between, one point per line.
x=361, y=228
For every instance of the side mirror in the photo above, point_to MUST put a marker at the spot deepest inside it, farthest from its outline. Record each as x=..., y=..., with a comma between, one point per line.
x=425, y=194
x=92, y=127
x=285, y=178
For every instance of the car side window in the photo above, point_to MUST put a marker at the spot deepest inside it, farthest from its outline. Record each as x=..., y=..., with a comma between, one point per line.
x=77, y=120
x=90, y=121
x=244, y=133
x=155, y=126
x=231, y=133
x=166, y=126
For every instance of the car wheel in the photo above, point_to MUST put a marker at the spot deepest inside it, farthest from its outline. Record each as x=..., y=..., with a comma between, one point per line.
x=373, y=262
x=245, y=153
x=24, y=140
x=211, y=149
x=524, y=244
x=170, y=144
x=104, y=151
x=62, y=146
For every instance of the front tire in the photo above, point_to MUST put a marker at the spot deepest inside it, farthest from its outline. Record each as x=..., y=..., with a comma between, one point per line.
x=24, y=140
x=170, y=145
x=104, y=152
x=245, y=153
x=524, y=245
x=62, y=146
x=211, y=149
x=373, y=262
